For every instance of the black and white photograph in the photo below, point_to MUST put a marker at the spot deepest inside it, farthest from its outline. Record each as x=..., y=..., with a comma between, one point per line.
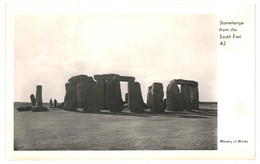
x=115, y=82
x=121, y=80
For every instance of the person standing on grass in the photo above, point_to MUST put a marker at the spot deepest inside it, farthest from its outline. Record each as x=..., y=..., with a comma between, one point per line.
x=55, y=103
x=51, y=105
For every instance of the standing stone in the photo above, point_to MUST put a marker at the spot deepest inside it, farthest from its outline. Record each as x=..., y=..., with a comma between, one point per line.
x=70, y=100
x=80, y=94
x=91, y=102
x=149, y=97
x=33, y=100
x=135, y=100
x=173, y=97
x=39, y=95
x=113, y=96
x=157, y=98
x=101, y=86
x=195, y=102
x=186, y=94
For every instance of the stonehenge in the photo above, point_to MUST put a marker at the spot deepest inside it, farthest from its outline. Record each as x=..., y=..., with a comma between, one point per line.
x=103, y=92
x=185, y=97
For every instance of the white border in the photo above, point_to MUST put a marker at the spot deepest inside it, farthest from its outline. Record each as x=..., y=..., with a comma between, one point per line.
x=107, y=155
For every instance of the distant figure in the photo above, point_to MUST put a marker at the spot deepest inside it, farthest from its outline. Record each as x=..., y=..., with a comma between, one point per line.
x=51, y=105
x=55, y=103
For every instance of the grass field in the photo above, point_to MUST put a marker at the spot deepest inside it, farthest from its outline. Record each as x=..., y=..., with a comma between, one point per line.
x=63, y=130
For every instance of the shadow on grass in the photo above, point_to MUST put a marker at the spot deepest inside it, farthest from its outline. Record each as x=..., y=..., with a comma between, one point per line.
x=202, y=113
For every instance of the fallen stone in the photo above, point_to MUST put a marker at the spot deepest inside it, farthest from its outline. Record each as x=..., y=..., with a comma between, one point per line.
x=157, y=98
x=24, y=108
x=113, y=96
x=33, y=100
x=90, y=103
x=124, y=78
x=39, y=109
x=135, y=100
x=101, y=86
x=105, y=76
x=70, y=100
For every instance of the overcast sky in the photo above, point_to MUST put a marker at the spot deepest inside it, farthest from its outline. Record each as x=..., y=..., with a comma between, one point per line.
x=49, y=49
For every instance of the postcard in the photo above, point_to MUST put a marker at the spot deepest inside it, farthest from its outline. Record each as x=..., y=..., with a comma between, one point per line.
x=135, y=80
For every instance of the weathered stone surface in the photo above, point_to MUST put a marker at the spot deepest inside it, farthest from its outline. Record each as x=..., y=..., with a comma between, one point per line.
x=80, y=79
x=33, y=100
x=90, y=103
x=101, y=86
x=105, y=76
x=80, y=94
x=113, y=96
x=39, y=95
x=70, y=100
x=186, y=94
x=173, y=97
x=24, y=108
x=39, y=109
x=124, y=78
x=157, y=98
x=135, y=100
x=195, y=98
x=185, y=82
x=149, y=97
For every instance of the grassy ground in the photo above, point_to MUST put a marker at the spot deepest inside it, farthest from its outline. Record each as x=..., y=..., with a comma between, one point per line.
x=62, y=130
